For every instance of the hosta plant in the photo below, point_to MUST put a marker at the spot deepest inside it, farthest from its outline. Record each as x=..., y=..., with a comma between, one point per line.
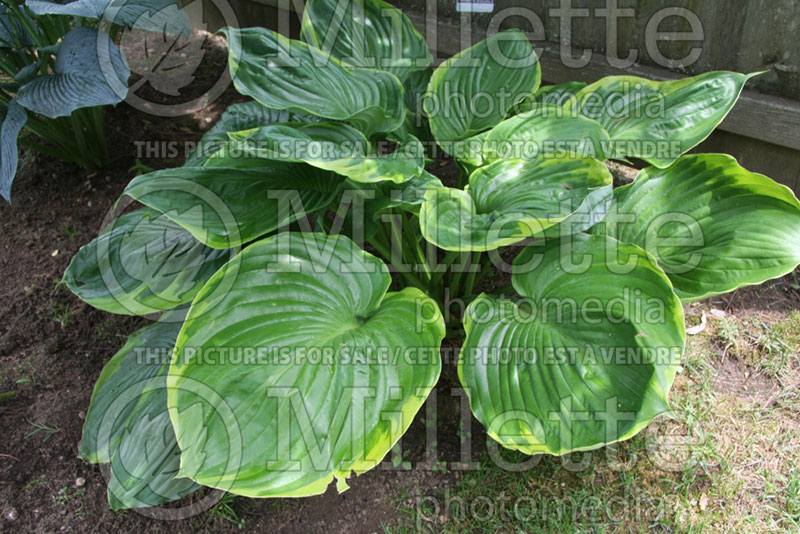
x=304, y=261
x=61, y=69
x=58, y=75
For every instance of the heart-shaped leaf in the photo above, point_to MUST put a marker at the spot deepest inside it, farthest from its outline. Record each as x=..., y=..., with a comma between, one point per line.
x=585, y=358
x=473, y=90
x=89, y=71
x=331, y=146
x=333, y=369
x=284, y=74
x=142, y=263
x=659, y=121
x=511, y=200
x=366, y=33
x=128, y=424
x=13, y=119
x=238, y=200
x=712, y=225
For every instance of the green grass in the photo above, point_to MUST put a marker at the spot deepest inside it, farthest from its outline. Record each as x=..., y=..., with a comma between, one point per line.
x=43, y=429
x=224, y=510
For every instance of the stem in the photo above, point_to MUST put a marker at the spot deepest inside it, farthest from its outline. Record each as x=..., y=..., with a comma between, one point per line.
x=49, y=150
x=412, y=241
x=476, y=259
x=444, y=266
x=410, y=280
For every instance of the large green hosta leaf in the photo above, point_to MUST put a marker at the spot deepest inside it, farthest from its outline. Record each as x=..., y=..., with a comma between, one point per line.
x=330, y=372
x=473, y=90
x=712, y=225
x=366, y=33
x=239, y=117
x=545, y=130
x=284, y=74
x=142, y=263
x=227, y=205
x=511, y=200
x=128, y=424
x=89, y=71
x=331, y=146
x=586, y=358
x=659, y=121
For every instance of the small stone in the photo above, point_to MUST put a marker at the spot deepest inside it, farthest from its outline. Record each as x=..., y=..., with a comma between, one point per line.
x=80, y=482
x=81, y=415
x=10, y=514
x=54, y=253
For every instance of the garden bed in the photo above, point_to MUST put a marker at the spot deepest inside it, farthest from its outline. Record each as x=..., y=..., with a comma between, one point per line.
x=736, y=403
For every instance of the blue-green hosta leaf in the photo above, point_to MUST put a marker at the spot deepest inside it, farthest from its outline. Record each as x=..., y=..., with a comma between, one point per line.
x=546, y=130
x=712, y=225
x=509, y=201
x=127, y=374
x=331, y=146
x=237, y=200
x=28, y=72
x=130, y=13
x=366, y=33
x=585, y=358
x=284, y=74
x=473, y=90
x=335, y=370
x=128, y=424
x=659, y=121
x=13, y=120
x=89, y=71
x=142, y=263
x=147, y=459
